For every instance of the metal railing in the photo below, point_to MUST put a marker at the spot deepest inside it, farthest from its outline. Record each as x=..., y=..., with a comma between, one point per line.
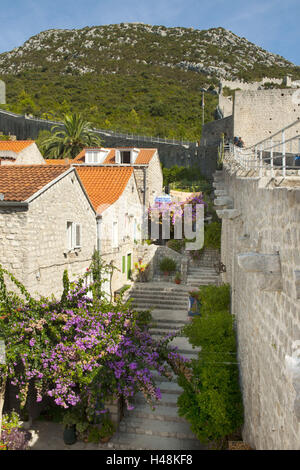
x=138, y=138
x=280, y=157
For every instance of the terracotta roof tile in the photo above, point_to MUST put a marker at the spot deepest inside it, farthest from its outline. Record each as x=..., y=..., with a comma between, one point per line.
x=144, y=157
x=58, y=161
x=80, y=156
x=104, y=185
x=15, y=145
x=19, y=182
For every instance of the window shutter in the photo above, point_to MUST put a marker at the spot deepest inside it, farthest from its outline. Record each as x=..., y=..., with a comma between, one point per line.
x=69, y=235
x=118, y=157
x=123, y=264
x=77, y=235
x=115, y=236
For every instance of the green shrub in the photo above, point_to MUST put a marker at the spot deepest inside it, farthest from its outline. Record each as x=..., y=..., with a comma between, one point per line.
x=212, y=235
x=176, y=245
x=167, y=265
x=212, y=400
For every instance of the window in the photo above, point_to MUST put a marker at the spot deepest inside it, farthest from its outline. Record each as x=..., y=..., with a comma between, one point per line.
x=95, y=156
x=73, y=235
x=123, y=157
x=126, y=157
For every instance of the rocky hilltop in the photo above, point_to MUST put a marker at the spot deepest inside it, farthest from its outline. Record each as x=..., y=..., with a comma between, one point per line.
x=114, y=48
x=133, y=77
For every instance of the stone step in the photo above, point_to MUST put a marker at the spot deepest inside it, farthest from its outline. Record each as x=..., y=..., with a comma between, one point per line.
x=202, y=282
x=201, y=270
x=175, y=316
x=134, y=441
x=163, y=331
x=158, y=299
x=151, y=427
x=201, y=276
x=158, y=292
x=183, y=345
x=152, y=305
x=167, y=399
x=161, y=413
x=168, y=325
x=169, y=387
x=167, y=298
x=160, y=287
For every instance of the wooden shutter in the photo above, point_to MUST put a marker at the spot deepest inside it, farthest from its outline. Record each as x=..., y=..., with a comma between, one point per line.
x=77, y=237
x=118, y=157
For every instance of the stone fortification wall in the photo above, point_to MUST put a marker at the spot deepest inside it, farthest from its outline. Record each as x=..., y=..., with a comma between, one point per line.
x=260, y=248
x=260, y=114
x=170, y=154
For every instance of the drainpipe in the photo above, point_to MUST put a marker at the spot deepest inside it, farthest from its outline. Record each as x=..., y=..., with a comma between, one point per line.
x=145, y=185
x=99, y=223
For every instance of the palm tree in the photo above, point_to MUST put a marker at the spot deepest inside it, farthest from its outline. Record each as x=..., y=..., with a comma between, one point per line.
x=68, y=142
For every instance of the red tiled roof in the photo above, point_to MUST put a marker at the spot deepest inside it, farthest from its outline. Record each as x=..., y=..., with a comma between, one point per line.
x=104, y=185
x=19, y=182
x=15, y=145
x=144, y=157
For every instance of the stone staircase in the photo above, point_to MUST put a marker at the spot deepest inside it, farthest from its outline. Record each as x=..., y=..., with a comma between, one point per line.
x=201, y=276
x=159, y=295
x=162, y=428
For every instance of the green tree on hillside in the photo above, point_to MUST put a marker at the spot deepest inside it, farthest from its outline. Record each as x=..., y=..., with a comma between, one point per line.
x=68, y=142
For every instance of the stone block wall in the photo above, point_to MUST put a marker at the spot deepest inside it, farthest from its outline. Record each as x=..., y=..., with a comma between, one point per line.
x=267, y=313
x=154, y=180
x=212, y=131
x=259, y=114
x=207, y=258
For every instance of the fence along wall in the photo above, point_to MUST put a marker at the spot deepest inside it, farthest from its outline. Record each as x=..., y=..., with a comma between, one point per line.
x=268, y=319
x=170, y=153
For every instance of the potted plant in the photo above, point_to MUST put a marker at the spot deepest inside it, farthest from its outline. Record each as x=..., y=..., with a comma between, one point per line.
x=194, y=304
x=167, y=266
x=107, y=429
x=178, y=278
x=142, y=270
x=69, y=421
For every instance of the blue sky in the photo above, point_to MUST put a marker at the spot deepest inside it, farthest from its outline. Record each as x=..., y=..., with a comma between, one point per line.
x=272, y=24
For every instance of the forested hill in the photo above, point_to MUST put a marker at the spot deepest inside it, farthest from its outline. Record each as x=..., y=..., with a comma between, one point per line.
x=136, y=77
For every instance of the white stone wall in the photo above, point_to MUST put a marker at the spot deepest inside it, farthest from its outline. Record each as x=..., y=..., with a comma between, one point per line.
x=13, y=249
x=125, y=210
x=268, y=322
x=260, y=114
x=33, y=243
x=154, y=179
x=233, y=85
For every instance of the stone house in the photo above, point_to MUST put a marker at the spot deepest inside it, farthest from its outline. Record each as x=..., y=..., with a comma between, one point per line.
x=145, y=162
x=20, y=152
x=47, y=225
x=116, y=201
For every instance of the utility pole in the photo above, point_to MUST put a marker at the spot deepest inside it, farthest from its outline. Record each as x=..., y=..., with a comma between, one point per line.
x=202, y=105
